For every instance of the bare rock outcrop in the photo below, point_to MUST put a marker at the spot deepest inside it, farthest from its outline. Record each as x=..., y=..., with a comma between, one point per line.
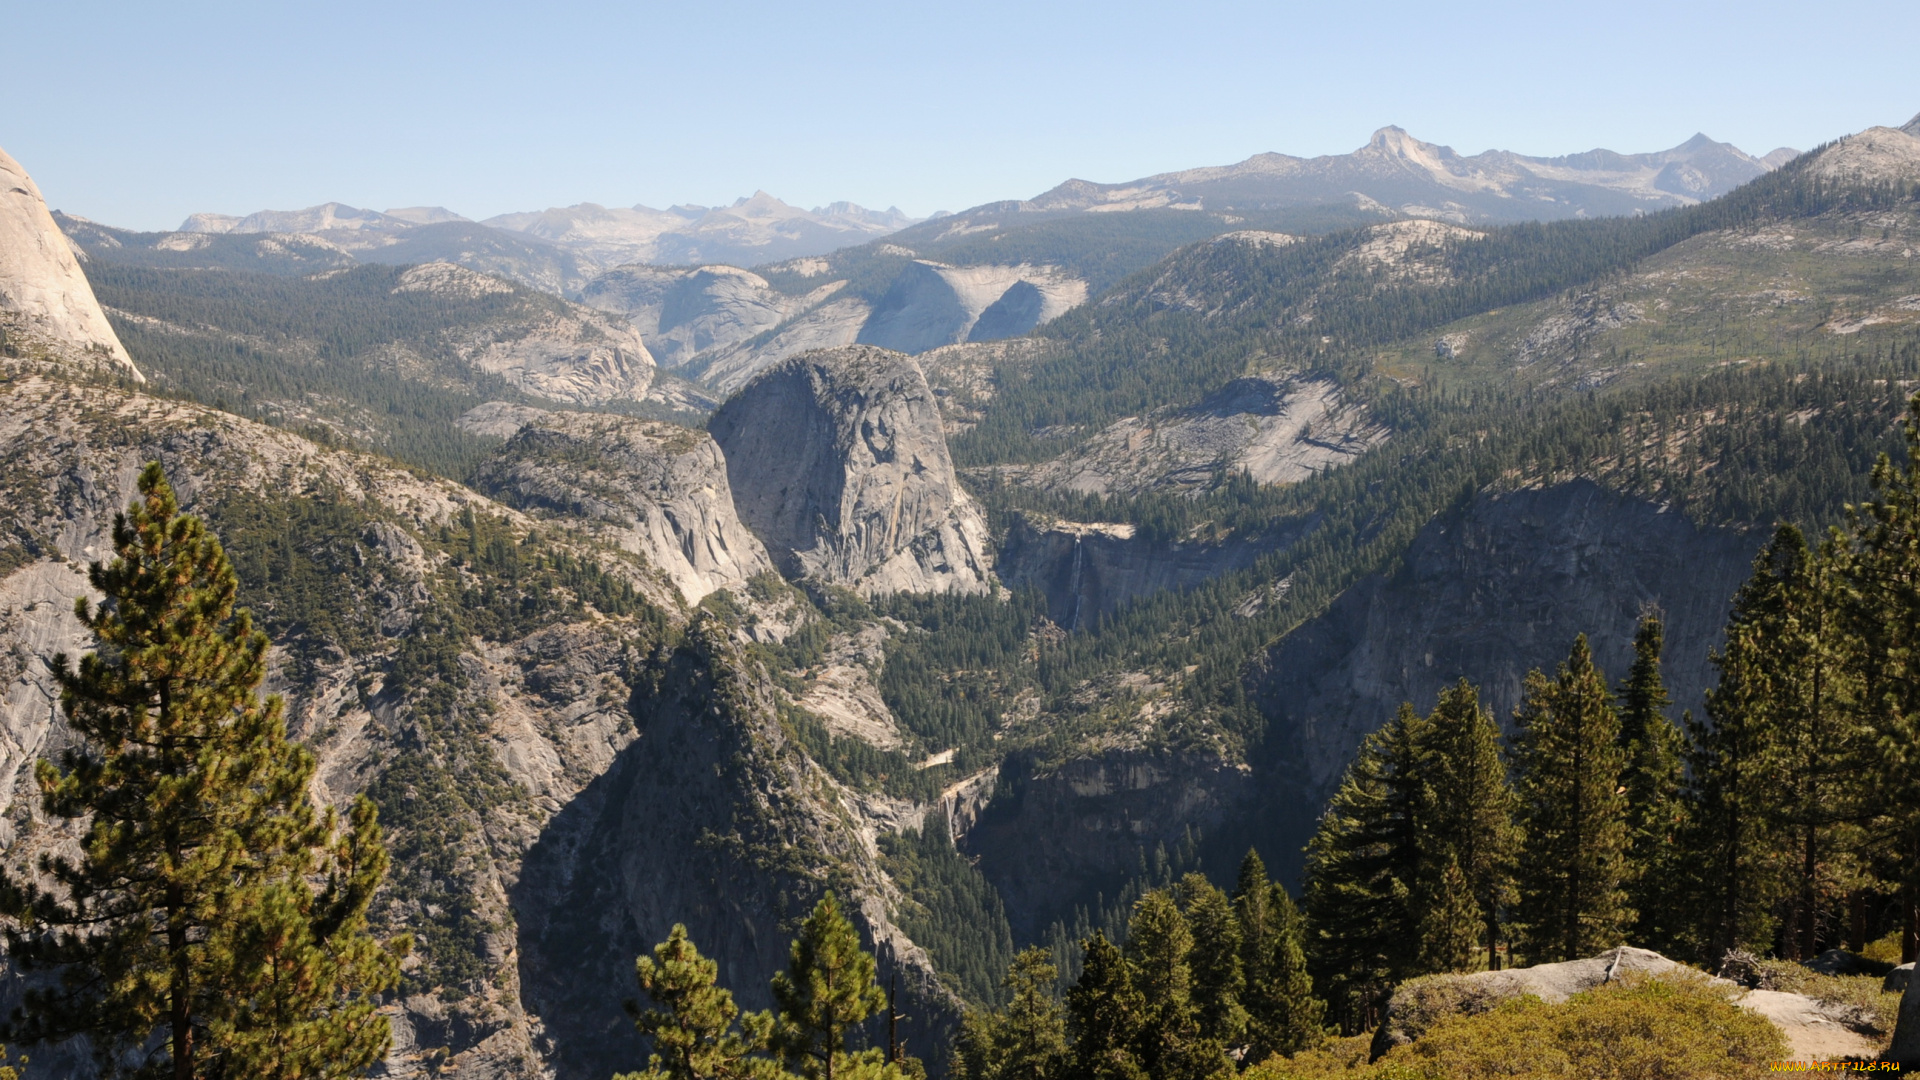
x=653, y=488
x=931, y=304
x=1876, y=155
x=839, y=464
x=1815, y=1030
x=566, y=353
x=1276, y=428
x=47, y=308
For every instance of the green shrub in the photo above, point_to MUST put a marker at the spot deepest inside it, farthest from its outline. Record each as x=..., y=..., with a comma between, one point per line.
x=1669, y=1028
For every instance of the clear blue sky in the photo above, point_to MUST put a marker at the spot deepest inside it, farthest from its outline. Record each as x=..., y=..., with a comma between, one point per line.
x=139, y=113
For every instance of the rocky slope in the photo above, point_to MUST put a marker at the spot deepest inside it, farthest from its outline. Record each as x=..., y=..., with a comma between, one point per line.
x=1488, y=593
x=931, y=304
x=1276, y=428
x=492, y=682
x=724, y=325
x=839, y=464
x=46, y=305
x=1087, y=570
x=652, y=488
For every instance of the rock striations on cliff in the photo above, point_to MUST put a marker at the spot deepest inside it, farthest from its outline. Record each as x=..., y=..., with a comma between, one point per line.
x=839, y=464
x=652, y=488
x=46, y=306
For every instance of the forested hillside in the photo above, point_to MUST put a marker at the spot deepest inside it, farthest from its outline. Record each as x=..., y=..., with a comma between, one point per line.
x=1511, y=477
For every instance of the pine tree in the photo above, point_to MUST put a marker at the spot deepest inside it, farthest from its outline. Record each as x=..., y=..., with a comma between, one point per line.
x=1105, y=1016
x=1451, y=924
x=1653, y=778
x=1464, y=816
x=827, y=988
x=696, y=1031
x=1361, y=864
x=1171, y=1044
x=1026, y=1041
x=1817, y=742
x=1572, y=813
x=1884, y=603
x=190, y=924
x=1219, y=976
x=1283, y=1015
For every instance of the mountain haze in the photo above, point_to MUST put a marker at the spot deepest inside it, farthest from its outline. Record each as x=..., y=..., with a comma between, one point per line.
x=1037, y=555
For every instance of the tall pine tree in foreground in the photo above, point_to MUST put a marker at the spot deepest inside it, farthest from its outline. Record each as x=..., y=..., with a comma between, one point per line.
x=1362, y=865
x=696, y=1030
x=1733, y=837
x=1573, y=864
x=1816, y=740
x=1884, y=603
x=1025, y=1041
x=213, y=924
x=1105, y=1016
x=1467, y=840
x=1219, y=972
x=1654, y=779
x=828, y=988
x=1283, y=1015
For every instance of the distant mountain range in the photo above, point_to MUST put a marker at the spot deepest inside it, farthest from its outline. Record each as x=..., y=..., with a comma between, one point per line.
x=1399, y=174
x=1394, y=174
x=753, y=230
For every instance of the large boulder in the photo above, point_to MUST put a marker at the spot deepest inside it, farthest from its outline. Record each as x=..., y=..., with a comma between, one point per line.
x=47, y=308
x=1814, y=1029
x=1420, y=1003
x=839, y=464
x=1906, y=1032
x=656, y=489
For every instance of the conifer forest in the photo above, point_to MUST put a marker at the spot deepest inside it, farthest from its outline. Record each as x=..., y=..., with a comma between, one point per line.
x=1201, y=628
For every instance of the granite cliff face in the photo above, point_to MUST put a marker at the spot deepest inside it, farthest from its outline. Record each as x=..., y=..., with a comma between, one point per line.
x=1054, y=838
x=651, y=488
x=46, y=306
x=931, y=304
x=684, y=827
x=1088, y=570
x=839, y=464
x=1490, y=592
x=1277, y=428
x=567, y=353
x=554, y=732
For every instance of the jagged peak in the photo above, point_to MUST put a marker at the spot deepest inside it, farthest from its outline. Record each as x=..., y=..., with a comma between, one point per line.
x=1912, y=127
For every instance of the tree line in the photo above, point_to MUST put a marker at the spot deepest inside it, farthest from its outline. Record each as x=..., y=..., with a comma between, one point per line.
x=829, y=989
x=1783, y=820
x=210, y=922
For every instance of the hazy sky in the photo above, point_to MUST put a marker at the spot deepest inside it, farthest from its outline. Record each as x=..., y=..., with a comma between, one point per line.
x=138, y=113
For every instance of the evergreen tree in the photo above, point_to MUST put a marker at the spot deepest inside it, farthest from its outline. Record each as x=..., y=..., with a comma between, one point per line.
x=1361, y=864
x=1465, y=820
x=1572, y=813
x=1733, y=793
x=1884, y=575
x=1451, y=924
x=212, y=918
x=827, y=988
x=1171, y=1044
x=1026, y=1041
x=1219, y=974
x=696, y=1031
x=1653, y=778
x=1283, y=1015
x=1105, y=1015
x=1817, y=743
